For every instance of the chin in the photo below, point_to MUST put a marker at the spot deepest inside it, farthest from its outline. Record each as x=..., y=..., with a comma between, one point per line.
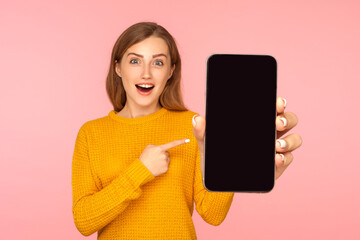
x=146, y=101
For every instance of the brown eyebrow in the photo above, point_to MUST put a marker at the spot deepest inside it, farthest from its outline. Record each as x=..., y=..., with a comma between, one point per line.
x=154, y=56
x=158, y=55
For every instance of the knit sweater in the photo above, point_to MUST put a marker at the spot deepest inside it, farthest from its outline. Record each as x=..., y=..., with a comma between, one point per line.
x=114, y=193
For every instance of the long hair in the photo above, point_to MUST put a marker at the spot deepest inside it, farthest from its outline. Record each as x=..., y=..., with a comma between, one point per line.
x=171, y=97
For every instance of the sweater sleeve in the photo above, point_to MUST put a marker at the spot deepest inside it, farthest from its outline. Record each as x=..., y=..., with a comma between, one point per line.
x=92, y=208
x=211, y=206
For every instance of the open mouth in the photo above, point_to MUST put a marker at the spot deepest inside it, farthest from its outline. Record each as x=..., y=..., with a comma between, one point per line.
x=144, y=87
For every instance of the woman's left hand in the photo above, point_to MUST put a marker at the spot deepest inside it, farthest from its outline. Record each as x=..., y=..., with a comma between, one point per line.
x=285, y=121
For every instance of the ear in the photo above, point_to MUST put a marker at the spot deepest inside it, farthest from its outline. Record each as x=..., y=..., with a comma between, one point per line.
x=117, y=69
x=171, y=71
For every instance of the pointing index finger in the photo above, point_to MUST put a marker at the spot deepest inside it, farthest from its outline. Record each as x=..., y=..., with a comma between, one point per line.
x=175, y=143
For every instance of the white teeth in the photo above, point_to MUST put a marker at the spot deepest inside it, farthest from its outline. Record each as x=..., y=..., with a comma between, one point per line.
x=145, y=86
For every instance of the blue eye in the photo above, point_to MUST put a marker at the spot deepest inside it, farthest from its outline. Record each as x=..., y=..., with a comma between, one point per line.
x=159, y=63
x=134, y=61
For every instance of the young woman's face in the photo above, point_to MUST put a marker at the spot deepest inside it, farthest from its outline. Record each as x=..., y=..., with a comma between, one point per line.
x=145, y=64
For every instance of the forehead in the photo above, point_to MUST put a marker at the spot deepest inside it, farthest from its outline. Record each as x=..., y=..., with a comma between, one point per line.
x=150, y=46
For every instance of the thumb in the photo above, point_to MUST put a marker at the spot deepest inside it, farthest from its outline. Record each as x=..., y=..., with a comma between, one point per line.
x=199, y=124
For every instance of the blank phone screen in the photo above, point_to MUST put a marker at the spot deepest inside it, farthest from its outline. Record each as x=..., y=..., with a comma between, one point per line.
x=240, y=116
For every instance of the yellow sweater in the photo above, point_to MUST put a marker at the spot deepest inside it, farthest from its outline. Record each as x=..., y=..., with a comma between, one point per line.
x=115, y=195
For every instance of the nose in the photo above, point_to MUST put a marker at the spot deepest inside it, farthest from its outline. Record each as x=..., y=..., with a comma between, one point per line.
x=146, y=73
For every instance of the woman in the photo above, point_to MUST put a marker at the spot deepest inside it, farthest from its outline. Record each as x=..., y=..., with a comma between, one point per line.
x=137, y=171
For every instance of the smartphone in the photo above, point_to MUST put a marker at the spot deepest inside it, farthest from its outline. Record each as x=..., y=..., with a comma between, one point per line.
x=240, y=131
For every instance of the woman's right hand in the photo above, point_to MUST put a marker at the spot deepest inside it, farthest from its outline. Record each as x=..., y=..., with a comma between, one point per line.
x=156, y=158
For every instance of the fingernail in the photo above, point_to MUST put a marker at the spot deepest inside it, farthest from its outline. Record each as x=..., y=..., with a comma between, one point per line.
x=285, y=102
x=187, y=140
x=193, y=120
x=282, y=143
x=284, y=121
x=282, y=158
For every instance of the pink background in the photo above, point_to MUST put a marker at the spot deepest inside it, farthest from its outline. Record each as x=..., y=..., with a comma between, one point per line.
x=54, y=57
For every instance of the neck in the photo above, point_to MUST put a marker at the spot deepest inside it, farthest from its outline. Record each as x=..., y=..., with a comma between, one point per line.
x=130, y=111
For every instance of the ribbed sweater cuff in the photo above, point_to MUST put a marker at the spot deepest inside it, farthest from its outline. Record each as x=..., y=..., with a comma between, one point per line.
x=138, y=173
